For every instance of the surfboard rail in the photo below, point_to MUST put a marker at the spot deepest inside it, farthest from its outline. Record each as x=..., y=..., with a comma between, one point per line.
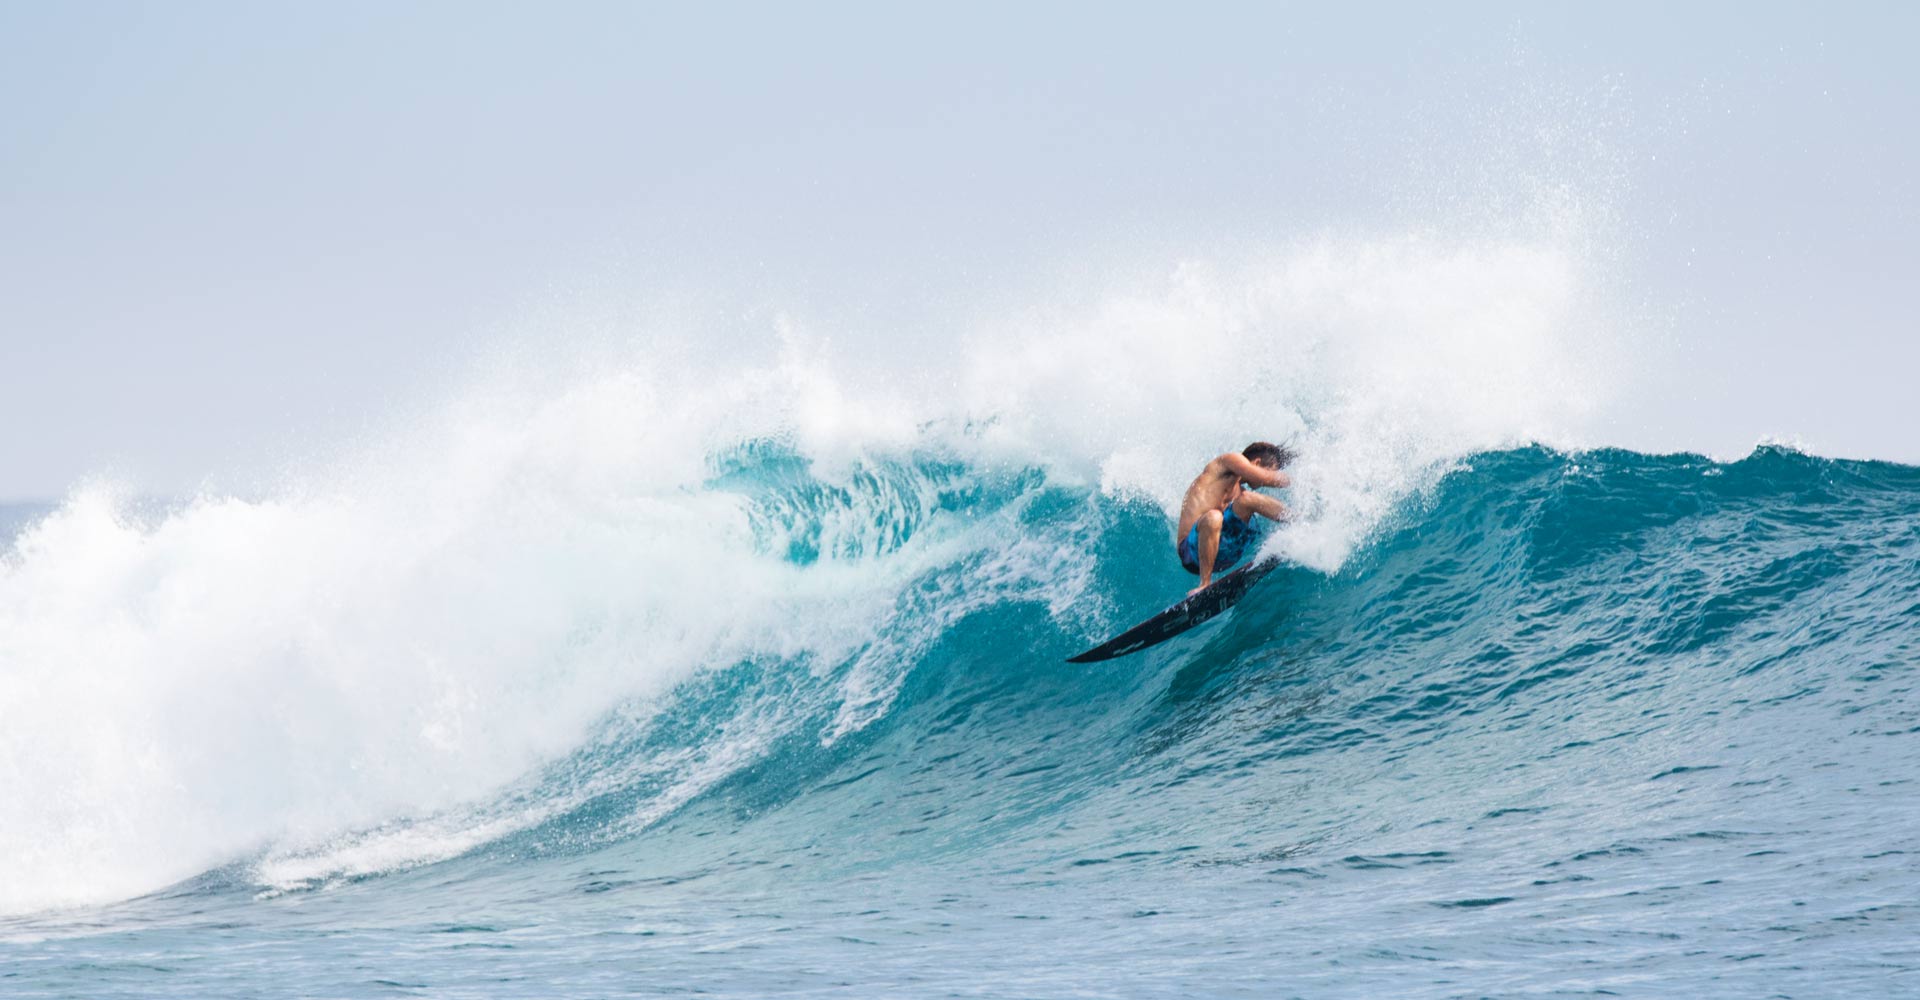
x=1192, y=610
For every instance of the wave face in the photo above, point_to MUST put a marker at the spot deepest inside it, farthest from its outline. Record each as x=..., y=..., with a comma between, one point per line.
x=1556, y=720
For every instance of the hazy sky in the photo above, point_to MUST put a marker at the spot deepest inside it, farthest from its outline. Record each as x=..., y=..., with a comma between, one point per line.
x=225, y=229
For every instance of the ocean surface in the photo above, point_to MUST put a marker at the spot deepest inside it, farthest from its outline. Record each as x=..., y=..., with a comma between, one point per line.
x=1555, y=723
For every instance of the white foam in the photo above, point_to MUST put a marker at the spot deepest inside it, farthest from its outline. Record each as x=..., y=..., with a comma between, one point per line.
x=1379, y=361
x=412, y=626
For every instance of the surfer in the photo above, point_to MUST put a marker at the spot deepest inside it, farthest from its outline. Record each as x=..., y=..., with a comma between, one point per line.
x=1216, y=526
x=1216, y=518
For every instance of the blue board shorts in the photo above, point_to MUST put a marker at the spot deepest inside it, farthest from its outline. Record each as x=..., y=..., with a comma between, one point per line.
x=1235, y=536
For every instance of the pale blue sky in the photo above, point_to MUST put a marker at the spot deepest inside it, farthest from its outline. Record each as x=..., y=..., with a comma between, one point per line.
x=230, y=230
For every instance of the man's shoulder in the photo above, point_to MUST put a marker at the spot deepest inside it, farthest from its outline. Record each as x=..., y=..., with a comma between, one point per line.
x=1227, y=463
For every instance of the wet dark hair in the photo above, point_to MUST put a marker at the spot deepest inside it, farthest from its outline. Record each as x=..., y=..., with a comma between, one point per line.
x=1270, y=455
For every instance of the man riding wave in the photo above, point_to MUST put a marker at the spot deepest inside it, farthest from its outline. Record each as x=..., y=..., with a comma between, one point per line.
x=1216, y=518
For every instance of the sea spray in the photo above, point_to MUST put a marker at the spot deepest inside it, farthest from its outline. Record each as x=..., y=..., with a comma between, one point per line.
x=397, y=636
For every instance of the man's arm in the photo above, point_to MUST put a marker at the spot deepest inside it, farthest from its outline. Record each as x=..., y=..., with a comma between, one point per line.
x=1258, y=475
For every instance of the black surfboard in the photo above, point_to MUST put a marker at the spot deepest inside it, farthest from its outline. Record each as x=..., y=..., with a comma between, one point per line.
x=1224, y=593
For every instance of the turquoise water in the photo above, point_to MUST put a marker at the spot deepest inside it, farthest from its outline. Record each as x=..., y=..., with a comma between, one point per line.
x=1561, y=724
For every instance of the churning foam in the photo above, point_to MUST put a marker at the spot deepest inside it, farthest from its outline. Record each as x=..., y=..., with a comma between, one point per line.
x=412, y=628
x=1380, y=361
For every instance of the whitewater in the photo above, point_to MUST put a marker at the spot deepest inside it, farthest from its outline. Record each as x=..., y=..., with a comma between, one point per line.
x=690, y=658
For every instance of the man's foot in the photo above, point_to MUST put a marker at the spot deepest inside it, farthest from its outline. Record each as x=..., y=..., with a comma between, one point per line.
x=1200, y=588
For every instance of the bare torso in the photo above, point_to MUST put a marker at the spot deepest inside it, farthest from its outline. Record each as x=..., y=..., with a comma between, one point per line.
x=1213, y=489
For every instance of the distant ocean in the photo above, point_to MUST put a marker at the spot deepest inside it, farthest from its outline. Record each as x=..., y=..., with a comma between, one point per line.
x=601, y=688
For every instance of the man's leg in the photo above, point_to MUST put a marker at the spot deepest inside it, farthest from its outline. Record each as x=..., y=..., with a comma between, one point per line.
x=1209, y=547
x=1251, y=503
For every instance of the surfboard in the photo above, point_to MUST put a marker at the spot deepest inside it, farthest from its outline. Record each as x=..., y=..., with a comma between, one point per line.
x=1225, y=592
